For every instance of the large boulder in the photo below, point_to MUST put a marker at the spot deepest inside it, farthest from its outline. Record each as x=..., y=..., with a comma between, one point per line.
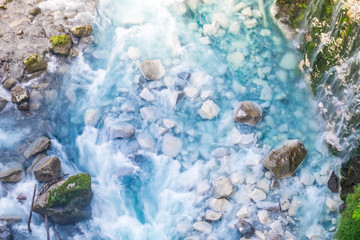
x=82, y=31
x=19, y=94
x=67, y=201
x=248, y=112
x=12, y=175
x=39, y=145
x=48, y=170
x=34, y=63
x=60, y=45
x=285, y=161
x=152, y=69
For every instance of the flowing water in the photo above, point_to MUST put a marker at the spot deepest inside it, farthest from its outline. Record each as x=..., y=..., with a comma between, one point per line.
x=140, y=193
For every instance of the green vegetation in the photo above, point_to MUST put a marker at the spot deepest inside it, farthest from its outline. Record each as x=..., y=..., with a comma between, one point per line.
x=75, y=186
x=31, y=60
x=60, y=40
x=292, y=12
x=349, y=226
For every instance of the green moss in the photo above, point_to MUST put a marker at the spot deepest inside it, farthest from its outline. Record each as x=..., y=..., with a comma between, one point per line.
x=60, y=40
x=3, y=6
x=348, y=227
x=75, y=186
x=31, y=59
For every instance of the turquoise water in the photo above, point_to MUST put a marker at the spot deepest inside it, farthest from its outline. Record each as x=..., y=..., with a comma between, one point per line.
x=140, y=193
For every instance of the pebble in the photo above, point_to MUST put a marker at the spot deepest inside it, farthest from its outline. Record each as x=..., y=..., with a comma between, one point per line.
x=9, y=83
x=212, y=215
x=209, y=110
x=147, y=95
x=251, y=23
x=222, y=187
x=122, y=131
x=148, y=114
x=264, y=184
x=257, y=195
x=203, y=227
x=294, y=206
x=171, y=145
x=152, y=70
x=263, y=216
x=285, y=205
x=145, y=141
x=219, y=205
x=243, y=213
x=277, y=226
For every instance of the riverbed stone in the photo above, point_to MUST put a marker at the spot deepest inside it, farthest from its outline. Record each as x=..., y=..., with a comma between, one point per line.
x=307, y=178
x=284, y=162
x=48, y=170
x=245, y=228
x=145, y=141
x=257, y=195
x=333, y=183
x=18, y=94
x=269, y=206
x=222, y=187
x=171, y=145
x=9, y=83
x=219, y=204
x=202, y=226
x=66, y=202
x=124, y=130
x=263, y=216
x=209, y=110
x=5, y=232
x=3, y=103
x=82, y=31
x=23, y=106
x=277, y=226
x=39, y=145
x=243, y=213
x=35, y=11
x=60, y=44
x=248, y=112
x=12, y=175
x=331, y=204
x=211, y=215
x=152, y=70
x=34, y=63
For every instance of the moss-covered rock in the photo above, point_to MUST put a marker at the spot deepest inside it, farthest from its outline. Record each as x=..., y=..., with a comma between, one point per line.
x=82, y=31
x=67, y=201
x=60, y=44
x=34, y=63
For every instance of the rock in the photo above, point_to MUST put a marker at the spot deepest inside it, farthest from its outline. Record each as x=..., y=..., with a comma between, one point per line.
x=21, y=197
x=9, y=83
x=168, y=123
x=245, y=228
x=307, y=178
x=289, y=61
x=3, y=103
x=175, y=97
x=263, y=216
x=39, y=145
x=91, y=116
x=263, y=184
x=82, y=31
x=211, y=215
x=257, y=195
x=73, y=52
x=285, y=205
x=171, y=145
x=147, y=95
x=269, y=206
x=66, y=202
x=35, y=162
x=18, y=94
x=5, y=232
x=285, y=161
x=331, y=204
x=34, y=63
x=219, y=205
x=294, y=206
x=274, y=183
x=48, y=170
x=273, y=236
x=148, y=114
x=277, y=227
x=10, y=220
x=333, y=143
x=209, y=110
x=124, y=130
x=222, y=187
x=191, y=92
x=35, y=11
x=350, y=172
x=145, y=141
x=152, y=69
x=251, y=23
x=333, y=183
x=247, y=12
x=248, y=112
x=12, y=175
x=60, y=45
x=243, y=213
x=23, y=106
x=203, y=227
x=133, y=53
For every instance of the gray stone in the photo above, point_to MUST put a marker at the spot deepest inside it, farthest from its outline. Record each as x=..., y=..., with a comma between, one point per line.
x=48, y=170
x=270, y=206
x=9, y=83
x=35, y=162
x=3, y=103
x=245, y=228
x=18, y=94
x=82, y=31
x=124, y=130
x=39, y=145
x=12, y=175
x=152, y=69
x=248, y=113
x=222, y=187
x=285, y=161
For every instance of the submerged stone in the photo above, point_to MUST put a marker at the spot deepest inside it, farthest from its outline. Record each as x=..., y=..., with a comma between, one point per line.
x=152, y=69
x=82, y=31
x=48, y=170
x=285, y=161
x=66, y=202
x=35, y=11
x=289, y=61
x=39, y=145
x=248, y=112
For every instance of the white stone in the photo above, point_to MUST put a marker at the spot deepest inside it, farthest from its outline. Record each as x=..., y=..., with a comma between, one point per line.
x=147, y=95
x=148, y=114
x=289, y=61
x=285, y=205
x=206, y=94
x=152, y=69
x=257, y=195
x=260, y=235
x=221, y=19
x=209, y=110
x=191, y=92
x=175, y=97
x=243, y=213
x=307, y=178
x=238, y=7
x=264, y=184
x=265, y=32
x=168, y=123
x=234, y=136
x=202, y=188
x=210, y=29
x=171, y=145
x=263, y=216
x=247, y=12
x=145, y=141
x=203, y=227
x=252, y=160
x=91, y=116
x=251, y=23
x=212, y=215
x=122, y=131
x=247, y=139
x=133, y=53
x=236, y=59
x=222, y=187
x=295, y=205
x=331, y=204
x=234, y=27
x=219, y=205
x=277, y=226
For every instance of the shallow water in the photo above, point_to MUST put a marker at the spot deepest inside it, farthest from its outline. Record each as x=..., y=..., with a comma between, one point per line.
x=144, y=194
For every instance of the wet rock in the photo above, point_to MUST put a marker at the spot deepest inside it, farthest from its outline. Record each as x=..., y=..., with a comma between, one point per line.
x=285, y=161
x=219, y=205
x=35, y=11
x=3, y=103
x=285, y=205
x=21, y=197
x=257, y=195
x=12, y=175
x=245, y=228
x=18, y=94
x=82, y=31
x=333, y=183
x=152, y=69
x=66, y=202
x=60, y=44
x=273, y=236
x=248, y=112
x=294, y=206
x=331, y=204
x=270, y=206
x=9, y=83
x=222, y=187
x=122, y=131
x=10, y=220
x=209, y=110
x=73, y=53
x=48, y=170
x=175, y=97
x=39, y=145
x=34, y=63
x=91, y=116
x=5, y=232
x=147, y=95
x=277, y=226
x=212, y=215
x=203, y=227
x=333, y=143
x=350, y=172
x=263, y=216
x=23, y=106
x=171, y=145
x=148, y=114
x=274, y=183
x=243, y=213
x=145, y=141
x=35, y=162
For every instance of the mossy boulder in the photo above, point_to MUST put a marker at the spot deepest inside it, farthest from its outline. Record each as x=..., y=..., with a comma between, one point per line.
x=350, y=172
x=60, y=44
x=34, y=63
x=82, y=31
x=66, y=202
